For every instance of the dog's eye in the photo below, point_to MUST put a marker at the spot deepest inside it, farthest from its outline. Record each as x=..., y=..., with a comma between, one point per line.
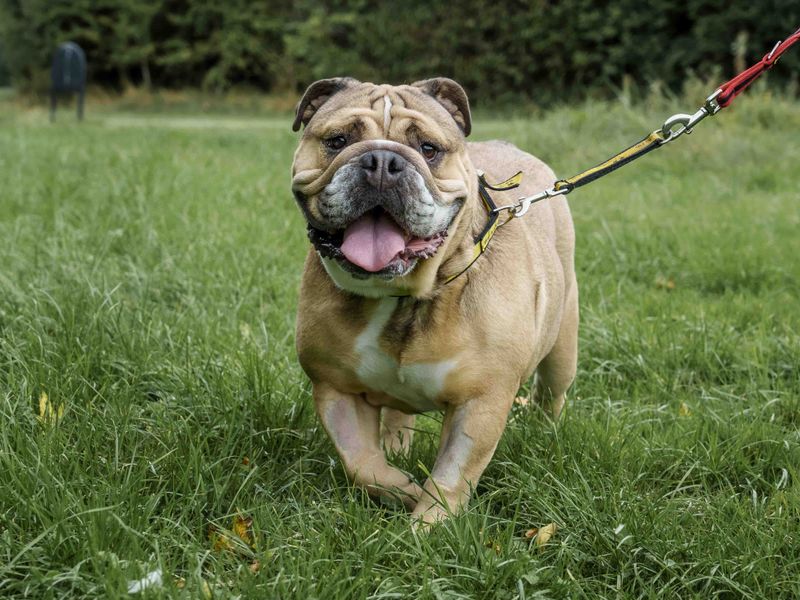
x=429, y=151
x=336, y=142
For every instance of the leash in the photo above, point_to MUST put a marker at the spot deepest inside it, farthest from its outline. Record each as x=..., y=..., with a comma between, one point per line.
x=674, y=127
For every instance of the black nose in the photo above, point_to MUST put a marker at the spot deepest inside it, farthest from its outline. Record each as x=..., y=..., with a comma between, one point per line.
x=383, y=168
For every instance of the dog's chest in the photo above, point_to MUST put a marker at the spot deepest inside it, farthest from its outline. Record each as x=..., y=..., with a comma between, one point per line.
x=416, y=384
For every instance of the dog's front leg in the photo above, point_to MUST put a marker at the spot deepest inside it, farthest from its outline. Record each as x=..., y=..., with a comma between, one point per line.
x=354, y=427
x=470, y=433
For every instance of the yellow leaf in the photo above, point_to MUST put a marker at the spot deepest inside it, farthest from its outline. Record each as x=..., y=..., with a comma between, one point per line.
x=683, y=410
x=222, y=540
x=206, y=590
x=49, y=415
x=531, y=532
x=243, y=528
x=238, y=539
x=544, y=534
x=665, y=283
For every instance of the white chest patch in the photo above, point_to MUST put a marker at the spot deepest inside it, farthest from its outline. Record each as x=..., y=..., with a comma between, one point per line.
x=416, y=384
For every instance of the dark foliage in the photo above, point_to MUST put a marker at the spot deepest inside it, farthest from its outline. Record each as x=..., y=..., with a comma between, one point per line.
x=539, y=50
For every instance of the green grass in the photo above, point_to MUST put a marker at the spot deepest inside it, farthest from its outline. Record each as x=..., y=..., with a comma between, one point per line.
x=148, y=282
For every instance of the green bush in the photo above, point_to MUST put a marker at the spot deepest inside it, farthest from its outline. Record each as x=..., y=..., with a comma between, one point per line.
x=537, y=51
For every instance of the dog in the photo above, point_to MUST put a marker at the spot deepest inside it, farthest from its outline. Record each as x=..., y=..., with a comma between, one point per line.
x=394, y=317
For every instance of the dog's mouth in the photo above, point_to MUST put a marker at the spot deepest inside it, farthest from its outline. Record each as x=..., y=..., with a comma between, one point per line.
x=375, y=245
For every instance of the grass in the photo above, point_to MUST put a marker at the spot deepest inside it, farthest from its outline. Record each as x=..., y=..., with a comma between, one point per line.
x=148, y=281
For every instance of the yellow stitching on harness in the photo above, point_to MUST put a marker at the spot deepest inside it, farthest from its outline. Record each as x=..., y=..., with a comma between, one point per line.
x=509, y=184
x=484, y=241
x=480, y=246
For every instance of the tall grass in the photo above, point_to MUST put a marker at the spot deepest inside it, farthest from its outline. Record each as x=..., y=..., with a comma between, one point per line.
x=148, y=281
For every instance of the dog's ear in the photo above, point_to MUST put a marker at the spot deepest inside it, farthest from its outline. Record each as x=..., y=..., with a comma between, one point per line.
x=452, y=96
x=317, y=94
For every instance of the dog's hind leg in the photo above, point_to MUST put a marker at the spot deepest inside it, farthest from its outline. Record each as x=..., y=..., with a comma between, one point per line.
x=397, y=429
x=557, y=370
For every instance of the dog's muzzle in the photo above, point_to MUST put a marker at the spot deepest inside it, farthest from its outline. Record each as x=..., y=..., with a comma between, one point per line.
x=377, y=215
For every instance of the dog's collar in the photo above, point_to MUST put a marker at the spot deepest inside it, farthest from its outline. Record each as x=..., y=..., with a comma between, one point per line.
x=481, y=241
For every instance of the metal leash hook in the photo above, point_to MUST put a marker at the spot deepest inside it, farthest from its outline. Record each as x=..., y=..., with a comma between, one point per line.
x=687, y=122
x=521, y=206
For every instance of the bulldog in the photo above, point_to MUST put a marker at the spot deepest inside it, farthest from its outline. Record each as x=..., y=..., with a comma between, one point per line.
x=394, y=317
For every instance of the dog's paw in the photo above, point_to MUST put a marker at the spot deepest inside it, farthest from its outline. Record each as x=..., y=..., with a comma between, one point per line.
x=425, y=517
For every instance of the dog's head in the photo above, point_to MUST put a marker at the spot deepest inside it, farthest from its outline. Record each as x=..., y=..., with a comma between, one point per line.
x=381, y=175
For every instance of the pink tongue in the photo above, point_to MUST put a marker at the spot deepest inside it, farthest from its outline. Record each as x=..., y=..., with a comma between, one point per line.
x=373, y=241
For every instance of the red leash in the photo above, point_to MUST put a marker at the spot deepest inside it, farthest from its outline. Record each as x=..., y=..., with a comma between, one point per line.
x=730, y=89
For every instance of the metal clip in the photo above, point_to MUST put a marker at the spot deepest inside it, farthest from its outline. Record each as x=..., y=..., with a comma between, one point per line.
x=524, y=203
x=521, y=206
x=686, y=123
x=711, y=104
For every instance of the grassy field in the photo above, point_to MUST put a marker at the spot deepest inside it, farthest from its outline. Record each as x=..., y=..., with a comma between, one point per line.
x=148, y=279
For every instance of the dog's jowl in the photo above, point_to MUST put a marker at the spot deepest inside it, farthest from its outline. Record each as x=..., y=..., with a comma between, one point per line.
x=386, y=326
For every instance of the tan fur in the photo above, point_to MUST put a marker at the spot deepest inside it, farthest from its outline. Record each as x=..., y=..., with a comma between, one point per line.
x=514, y=310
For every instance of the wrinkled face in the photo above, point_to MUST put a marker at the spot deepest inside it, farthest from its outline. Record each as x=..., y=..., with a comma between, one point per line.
x=380, y=175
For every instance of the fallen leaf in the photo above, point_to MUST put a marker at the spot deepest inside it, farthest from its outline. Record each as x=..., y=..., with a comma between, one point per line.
x=521, y=400
x=206, y=590
x=665, y=283
x=180, y=583
x=220, y=540
x=48, y=414
x=243, y=528
x=246, y=461
x=493, y=545
x=683, y=410
x=239, y=538
x=531, y=532
x=255, y=567
x=544, y=534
